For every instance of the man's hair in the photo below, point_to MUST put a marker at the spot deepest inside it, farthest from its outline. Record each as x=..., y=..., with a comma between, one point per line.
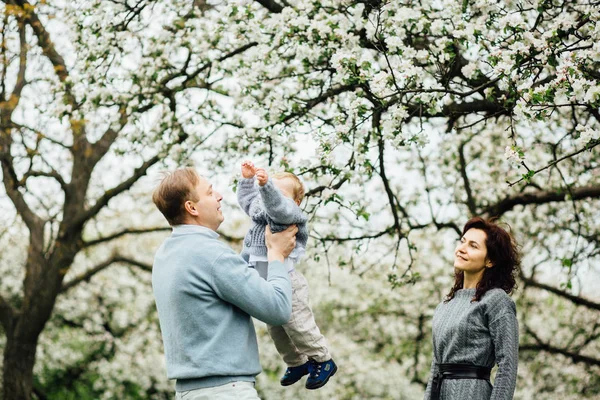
x=174, y=190
x=298, y=186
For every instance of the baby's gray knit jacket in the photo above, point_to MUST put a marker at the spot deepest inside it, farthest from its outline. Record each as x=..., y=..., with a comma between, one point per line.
x=266, y=205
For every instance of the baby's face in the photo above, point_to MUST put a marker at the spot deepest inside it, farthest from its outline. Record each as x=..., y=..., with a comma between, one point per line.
x=286, y=187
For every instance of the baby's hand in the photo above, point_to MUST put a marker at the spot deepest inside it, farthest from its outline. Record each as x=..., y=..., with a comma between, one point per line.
x=261, y=176
x=248, y=169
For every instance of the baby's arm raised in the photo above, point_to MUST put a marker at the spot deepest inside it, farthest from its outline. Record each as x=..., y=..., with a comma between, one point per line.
x=279, y=208
x=246, y=191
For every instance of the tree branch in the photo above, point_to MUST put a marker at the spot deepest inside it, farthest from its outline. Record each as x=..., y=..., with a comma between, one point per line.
x=9, y=106
x=355, y=238
x=465, y=177
x=576, y=358
x=321, y=188
x=111, y=193
x=124, y=232
x=454, y=110
x=11, y=185
x=547, y=347
x=334, y=91
x=53, y=174
x=382, y=174
x=224, y=57
x=47, y=46
x=418, y=341
x=86, y=276
x=11, y=182
x=540, y=197
x=271, y=6
x=580, y=301
x=586, y=148
x=136, y=263
x=18, y=89
x=439, y=226
x=101, y=147
x=39, y=134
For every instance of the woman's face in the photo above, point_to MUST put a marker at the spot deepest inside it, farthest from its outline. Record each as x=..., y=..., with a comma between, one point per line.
x=470, y=254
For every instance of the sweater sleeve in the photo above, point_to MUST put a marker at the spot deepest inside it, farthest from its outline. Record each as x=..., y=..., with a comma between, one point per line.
x=504, y=330
x=432, y=374
x=267, y=300
x=280, y=209
x=246, y=193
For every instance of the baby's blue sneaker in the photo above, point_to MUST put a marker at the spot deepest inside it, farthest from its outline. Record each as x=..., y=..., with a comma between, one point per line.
x=319, y=373
x=294, y=374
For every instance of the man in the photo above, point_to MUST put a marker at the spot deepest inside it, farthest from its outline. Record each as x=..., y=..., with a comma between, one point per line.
x=205, y=294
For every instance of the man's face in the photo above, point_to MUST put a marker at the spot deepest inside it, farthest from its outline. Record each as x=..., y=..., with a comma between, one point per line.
x=207, y=210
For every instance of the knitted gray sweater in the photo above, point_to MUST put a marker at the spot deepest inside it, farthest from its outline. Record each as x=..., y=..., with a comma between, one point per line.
x=481, y=333
x=266, y=205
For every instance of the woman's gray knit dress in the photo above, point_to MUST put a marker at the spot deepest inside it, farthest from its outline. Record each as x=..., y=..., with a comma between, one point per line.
x=482, y=333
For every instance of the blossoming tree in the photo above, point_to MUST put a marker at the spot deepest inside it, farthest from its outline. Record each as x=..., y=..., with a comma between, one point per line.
x=514, y=86
x=92, y=95
x=403, y=119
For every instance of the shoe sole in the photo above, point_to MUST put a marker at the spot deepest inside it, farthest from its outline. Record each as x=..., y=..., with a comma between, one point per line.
x=324, y=382
x=290, y=383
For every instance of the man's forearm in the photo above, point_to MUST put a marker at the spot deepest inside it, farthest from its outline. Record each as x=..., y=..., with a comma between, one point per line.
x=275, y=255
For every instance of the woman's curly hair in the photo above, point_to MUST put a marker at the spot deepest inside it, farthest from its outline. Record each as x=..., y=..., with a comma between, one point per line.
x=503, y=253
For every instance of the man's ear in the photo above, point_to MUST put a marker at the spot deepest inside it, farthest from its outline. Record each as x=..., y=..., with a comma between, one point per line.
x=190, y=207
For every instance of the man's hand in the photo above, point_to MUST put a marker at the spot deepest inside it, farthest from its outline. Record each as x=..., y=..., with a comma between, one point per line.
x=261, y=176
x=280, y=244
x=248, y=169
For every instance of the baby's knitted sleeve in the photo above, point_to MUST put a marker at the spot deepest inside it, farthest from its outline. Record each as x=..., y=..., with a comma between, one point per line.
x=280, y=209
x=246, y=193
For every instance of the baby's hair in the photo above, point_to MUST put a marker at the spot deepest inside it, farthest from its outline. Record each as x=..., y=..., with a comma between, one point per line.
x=298, y=186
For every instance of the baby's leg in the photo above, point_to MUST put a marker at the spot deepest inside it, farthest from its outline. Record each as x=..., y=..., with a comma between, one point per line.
x=285, y=347
x=302, y=328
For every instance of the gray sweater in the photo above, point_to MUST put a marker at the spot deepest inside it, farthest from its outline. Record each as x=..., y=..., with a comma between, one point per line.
x=265, y=205
x=481, y=333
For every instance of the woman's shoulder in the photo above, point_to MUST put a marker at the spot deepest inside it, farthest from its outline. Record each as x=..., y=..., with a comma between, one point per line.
x=497, y=301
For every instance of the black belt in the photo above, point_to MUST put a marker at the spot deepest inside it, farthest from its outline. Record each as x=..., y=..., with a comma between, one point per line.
x=457, y=371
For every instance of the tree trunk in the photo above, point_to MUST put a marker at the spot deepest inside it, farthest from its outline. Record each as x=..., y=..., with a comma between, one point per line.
x=19, y=358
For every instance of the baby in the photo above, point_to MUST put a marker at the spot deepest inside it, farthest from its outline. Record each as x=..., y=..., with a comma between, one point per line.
x=275, y=202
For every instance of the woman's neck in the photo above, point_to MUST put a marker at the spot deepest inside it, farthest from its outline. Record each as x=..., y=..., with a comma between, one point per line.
x=471, y=280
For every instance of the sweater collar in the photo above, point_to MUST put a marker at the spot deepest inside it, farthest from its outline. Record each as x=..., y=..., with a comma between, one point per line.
x=179, y=230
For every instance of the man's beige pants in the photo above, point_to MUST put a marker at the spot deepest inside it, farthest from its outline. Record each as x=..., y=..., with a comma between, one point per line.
x=300, y=339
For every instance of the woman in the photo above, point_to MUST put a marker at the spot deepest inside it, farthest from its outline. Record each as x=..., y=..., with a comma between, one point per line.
x=476, y=326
